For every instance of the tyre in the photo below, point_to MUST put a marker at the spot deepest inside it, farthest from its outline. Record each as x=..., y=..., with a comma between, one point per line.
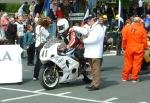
x=49, y=77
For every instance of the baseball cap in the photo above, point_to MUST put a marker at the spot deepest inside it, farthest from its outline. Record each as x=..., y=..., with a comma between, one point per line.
x=89, y=18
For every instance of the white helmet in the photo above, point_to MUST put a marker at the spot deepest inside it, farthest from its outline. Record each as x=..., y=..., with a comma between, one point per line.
x=62, y=25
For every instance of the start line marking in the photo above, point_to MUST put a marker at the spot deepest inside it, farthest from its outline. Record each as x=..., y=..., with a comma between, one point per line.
x=62, y=95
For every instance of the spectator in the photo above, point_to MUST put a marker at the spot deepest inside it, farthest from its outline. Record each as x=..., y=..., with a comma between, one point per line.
x=52, y=27
x=20, y=31
x=4, y=22
x=30, y=20
x=147, y=23
x=53, y=6
x=140, y=8
x=148, y=9
x=110, y=14
x=41, y=36
x=29, y=43
x=52, y=11
x=74, y=7
x=60, y=4
x=66, y=9
x=37, y=16
x=38, y=7
x=23, y=9
x=26, y=8
x=1, y=13
x=134, y=42
x=20, y=10
x=59, y=13
x=11, y=33
x=101, y=22
x=52, y=15
x=32, y=8
x=91, y=4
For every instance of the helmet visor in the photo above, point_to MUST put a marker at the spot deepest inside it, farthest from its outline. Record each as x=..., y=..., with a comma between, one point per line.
x=60, y=27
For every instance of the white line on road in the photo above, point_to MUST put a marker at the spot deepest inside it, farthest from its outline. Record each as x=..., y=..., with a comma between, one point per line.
x=85, y=99
x=60, y=94
x=19, y=90
x=55, y=95
x=143, y=102
x=22, y=97
x=110, y=99
x=40, y=90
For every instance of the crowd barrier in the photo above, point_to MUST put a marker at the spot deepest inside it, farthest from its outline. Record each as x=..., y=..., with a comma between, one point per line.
x=10, y=64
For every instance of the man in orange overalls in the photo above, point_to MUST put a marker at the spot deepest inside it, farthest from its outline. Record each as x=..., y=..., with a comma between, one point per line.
x=134, y=41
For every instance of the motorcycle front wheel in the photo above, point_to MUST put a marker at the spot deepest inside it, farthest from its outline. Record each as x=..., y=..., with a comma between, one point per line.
x=49, y=77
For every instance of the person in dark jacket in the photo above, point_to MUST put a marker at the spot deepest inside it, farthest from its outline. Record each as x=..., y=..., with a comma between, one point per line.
x=11, y=33
x=110, y=14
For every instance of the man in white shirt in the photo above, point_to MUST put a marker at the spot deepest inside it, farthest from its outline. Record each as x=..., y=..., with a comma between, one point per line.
x=93, y=45
x=20, y=31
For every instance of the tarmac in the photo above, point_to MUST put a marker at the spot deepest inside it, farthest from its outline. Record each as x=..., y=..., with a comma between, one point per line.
x=112, y=90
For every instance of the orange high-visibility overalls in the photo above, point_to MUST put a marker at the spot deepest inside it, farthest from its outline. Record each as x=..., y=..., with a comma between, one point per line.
x=134, y=41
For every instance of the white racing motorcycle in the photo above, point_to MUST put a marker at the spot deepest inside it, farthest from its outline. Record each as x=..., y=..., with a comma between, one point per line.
x=59, y=67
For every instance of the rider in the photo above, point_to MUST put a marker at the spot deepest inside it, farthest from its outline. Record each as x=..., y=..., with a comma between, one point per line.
x=72, y=40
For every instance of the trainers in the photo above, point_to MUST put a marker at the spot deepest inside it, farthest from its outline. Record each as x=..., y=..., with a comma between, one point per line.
x=35, y=78
x=124, y=80
x=135, y=81
x=30, y=64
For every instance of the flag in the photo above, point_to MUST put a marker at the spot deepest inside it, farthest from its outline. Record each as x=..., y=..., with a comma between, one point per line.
x=120, y=20
x=46, y=7
x=85, y=16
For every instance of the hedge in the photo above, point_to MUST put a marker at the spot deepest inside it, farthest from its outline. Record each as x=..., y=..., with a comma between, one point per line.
x=9, y=7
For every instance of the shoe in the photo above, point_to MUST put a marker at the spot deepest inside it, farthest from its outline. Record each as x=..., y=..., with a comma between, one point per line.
x=92, y=88
x=30, y=64
x=34, y=79
x=88, y=86
x=135, y=81
x=144, y=69
x=87, y=80
x=124, y=80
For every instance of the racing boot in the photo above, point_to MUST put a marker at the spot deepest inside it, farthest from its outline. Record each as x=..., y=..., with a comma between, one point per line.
x=86, y=80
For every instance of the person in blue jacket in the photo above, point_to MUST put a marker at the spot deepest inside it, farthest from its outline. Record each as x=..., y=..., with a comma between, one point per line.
x=29, y=44
x=147, y=23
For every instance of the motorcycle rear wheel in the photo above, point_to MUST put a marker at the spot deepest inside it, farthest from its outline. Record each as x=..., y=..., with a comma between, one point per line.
x=49, y=77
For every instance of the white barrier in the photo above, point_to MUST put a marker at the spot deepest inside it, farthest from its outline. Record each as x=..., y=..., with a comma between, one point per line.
x=10, y=64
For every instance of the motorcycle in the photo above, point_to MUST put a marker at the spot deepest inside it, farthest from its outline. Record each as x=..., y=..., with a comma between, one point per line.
x=59, y=67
